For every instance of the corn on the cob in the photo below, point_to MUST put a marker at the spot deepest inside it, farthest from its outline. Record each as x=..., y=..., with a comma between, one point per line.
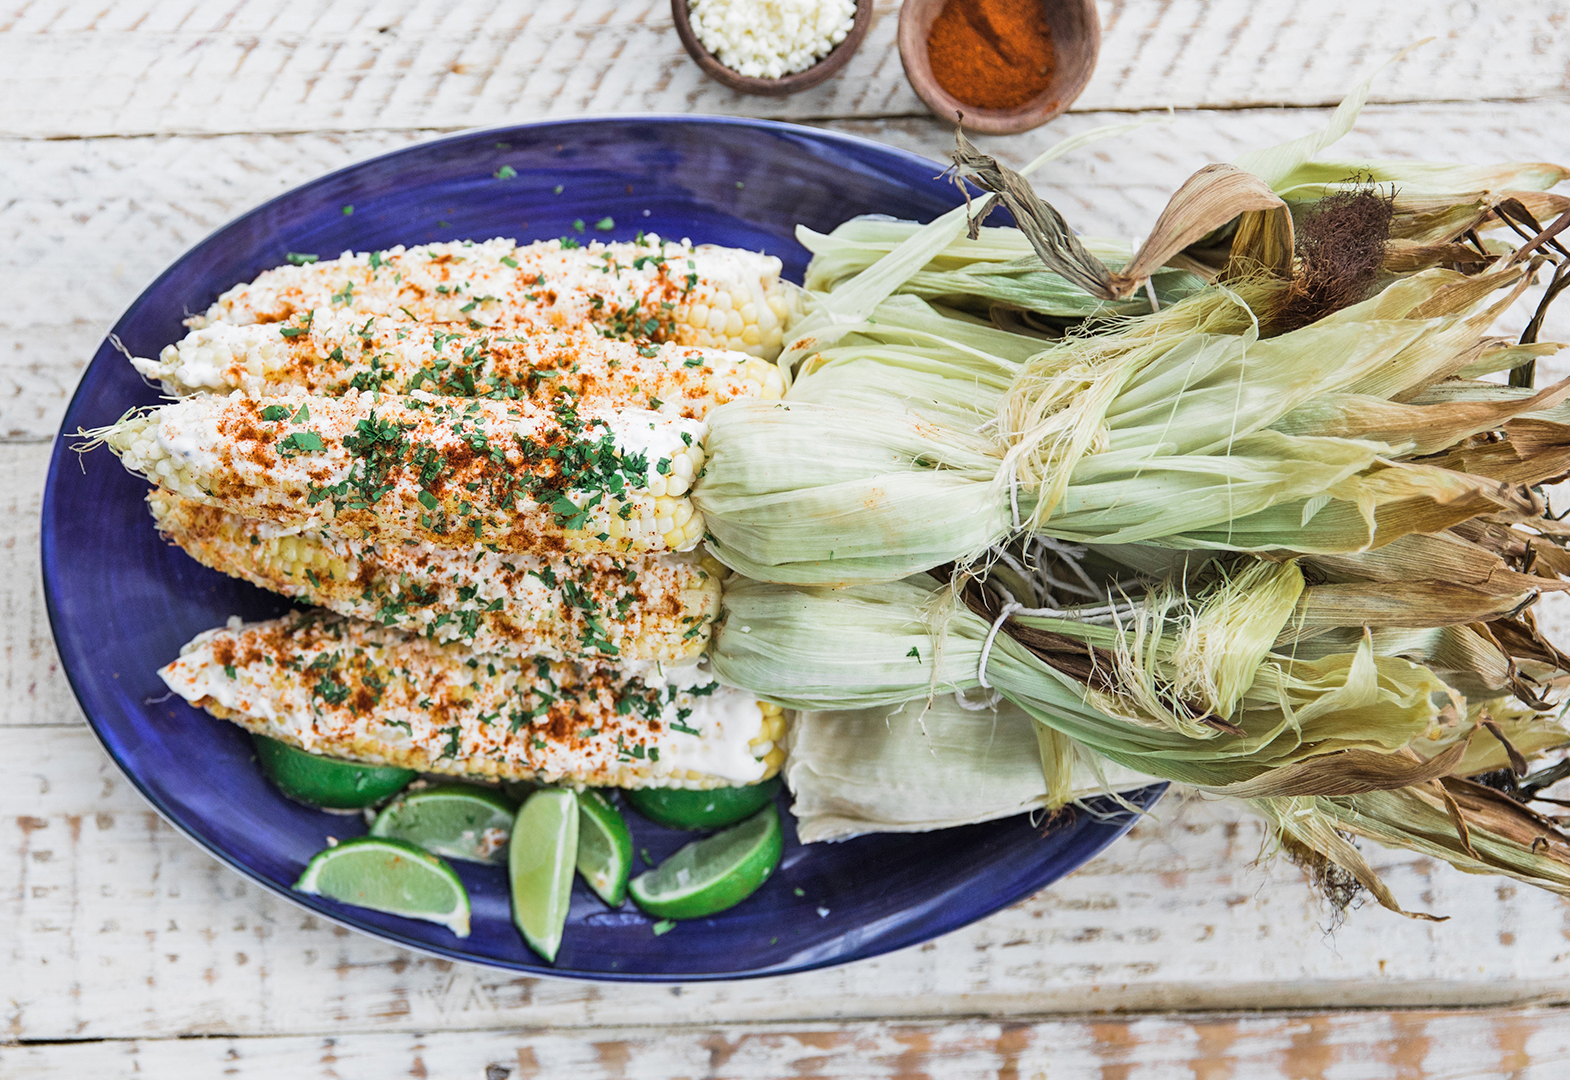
x=331, y=356
x=445, y=471
x=650, y=289
x=599, y=607
x=346, y=689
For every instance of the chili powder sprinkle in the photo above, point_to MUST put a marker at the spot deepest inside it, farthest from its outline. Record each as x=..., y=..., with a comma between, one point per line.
x=992, y=54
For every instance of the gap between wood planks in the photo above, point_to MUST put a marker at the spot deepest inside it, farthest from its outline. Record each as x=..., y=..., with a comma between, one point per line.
x=809, y=119
x=1545, y=1006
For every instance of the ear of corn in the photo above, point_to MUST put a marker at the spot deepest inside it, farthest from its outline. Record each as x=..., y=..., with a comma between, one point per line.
x=879, y=646
x=442, y=471
x=1167, y=429
x=332, y=356
x=649, y=289
x=594, y=607
x=346, y=689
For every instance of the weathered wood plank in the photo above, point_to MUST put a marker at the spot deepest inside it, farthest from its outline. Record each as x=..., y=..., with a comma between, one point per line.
x=1528, y=1044
x=163, y=66
x=88, y=223
x=115, y=926
x=33, y=689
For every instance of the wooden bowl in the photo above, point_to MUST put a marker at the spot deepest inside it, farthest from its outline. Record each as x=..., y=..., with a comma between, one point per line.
x=786, y=84
x=1076, y=42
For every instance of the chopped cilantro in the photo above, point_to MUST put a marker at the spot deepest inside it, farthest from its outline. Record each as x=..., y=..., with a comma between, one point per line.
x=303, y=442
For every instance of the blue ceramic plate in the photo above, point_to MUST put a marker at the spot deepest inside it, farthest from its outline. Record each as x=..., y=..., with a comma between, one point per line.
x=122, y=602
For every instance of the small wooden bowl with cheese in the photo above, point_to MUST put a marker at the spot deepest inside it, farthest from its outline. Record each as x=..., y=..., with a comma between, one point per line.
x=836, y=58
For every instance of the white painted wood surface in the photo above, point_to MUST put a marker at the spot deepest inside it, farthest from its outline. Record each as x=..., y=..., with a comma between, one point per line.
x=130, y=130
x=1523, y=1045
x=162, y=66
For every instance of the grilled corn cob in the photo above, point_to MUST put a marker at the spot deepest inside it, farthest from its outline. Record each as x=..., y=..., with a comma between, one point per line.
x=331, y=356
x=347, y=689
x=454, y=473
x=651, y=607
x=648, y=289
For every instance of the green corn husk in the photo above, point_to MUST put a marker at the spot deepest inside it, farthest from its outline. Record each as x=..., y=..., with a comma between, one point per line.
x=997, y=268
x=870, y=646
x=932, y=765
x=1351, y=741
x=1190, y=427
x=916, y=438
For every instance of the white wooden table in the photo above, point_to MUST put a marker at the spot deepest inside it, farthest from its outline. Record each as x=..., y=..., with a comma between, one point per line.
x=131, y=128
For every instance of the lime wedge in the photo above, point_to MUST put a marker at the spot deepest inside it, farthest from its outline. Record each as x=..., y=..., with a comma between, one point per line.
x=456, y=820
x=327, y=782
x=392, y=876
x=604, y=847
x=710, y=875
x=540, y=862
x=679, y=808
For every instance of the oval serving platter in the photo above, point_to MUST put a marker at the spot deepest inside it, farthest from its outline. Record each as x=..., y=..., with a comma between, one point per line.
x=122, y=602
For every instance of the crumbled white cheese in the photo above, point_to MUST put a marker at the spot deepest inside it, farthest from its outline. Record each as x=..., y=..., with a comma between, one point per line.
x=767, y=39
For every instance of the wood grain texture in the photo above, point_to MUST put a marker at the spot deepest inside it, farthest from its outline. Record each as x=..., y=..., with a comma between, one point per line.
x=33, y=689
x=88, y=223
x=1528, y=1044
x=71, y=68
x=115, y=926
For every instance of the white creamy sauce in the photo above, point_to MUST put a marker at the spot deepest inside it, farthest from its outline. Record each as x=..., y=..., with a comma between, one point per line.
x=196, y=675
x=188, y=431
x=655, y=435
x=727, y=721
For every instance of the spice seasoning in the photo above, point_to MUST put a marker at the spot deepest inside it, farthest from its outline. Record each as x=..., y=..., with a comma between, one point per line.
x=992, y=54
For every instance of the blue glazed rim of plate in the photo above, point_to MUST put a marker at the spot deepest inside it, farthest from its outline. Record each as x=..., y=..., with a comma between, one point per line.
x=121, y=603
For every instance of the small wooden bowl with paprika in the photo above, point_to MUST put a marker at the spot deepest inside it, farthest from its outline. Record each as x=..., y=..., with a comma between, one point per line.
x=1007, y=65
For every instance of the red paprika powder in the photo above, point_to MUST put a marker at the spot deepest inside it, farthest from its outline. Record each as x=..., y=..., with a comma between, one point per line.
x=992, y=54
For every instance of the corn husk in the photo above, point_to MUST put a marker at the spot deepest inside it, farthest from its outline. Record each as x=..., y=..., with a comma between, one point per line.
x=932, y=765
x=1434, y=205
x=1350, y=739
x=1496, y=835
x=916, y=438
x=871, y=646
